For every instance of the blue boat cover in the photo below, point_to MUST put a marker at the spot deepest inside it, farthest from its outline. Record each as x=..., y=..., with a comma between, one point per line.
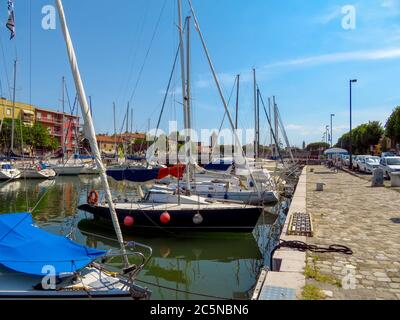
x=83, y=157
x=138, y=175
x=218, y=166
x=26, y=248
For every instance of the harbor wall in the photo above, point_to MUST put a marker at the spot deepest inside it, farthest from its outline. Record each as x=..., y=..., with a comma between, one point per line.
x=287, y=275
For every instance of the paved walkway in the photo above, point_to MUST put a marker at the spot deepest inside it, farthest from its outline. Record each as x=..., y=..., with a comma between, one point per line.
x=351, y=213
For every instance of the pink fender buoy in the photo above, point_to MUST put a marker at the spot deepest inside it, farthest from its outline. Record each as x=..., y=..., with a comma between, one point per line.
x=129, y=221
x=165, y=218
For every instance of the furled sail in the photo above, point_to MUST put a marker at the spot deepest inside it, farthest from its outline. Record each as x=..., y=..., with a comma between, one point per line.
x=142, y=175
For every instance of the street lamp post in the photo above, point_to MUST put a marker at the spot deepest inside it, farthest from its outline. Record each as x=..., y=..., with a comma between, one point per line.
x=351, y=123
x=327, y=134
x=332, y=115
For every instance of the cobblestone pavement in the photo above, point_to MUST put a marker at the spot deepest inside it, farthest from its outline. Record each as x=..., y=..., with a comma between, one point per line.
x=352, y=213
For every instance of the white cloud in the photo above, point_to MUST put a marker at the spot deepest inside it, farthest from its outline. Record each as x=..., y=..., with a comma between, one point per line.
x=311, y=61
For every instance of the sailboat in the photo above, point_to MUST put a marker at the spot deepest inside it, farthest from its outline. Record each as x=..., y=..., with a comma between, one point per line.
x=173, y=212
x=35, y=264
x=66, y=168
x=8, y=171
x=39, y=171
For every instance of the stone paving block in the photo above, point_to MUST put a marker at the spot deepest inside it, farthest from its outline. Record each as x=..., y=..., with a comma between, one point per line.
x=350, y=212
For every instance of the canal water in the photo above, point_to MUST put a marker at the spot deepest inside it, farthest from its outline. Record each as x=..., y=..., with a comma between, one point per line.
x=215, y=265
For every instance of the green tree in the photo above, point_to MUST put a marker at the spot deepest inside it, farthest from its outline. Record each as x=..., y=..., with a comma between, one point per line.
x=362, y=137
x=393, y=125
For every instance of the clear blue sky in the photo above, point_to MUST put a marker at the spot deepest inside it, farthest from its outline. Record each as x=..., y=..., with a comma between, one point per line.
x=301, y=52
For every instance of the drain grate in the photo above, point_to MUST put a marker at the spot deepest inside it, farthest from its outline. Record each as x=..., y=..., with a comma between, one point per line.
x=301, y=225
x=277, y=293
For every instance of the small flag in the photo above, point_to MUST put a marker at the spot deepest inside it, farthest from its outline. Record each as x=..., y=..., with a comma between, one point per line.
x=11, y=19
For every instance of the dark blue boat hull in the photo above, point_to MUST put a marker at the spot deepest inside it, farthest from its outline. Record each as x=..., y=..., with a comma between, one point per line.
x=214, y=220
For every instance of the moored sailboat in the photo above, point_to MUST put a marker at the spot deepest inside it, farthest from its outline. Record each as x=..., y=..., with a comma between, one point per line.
x=35, y=264
x=8, y=171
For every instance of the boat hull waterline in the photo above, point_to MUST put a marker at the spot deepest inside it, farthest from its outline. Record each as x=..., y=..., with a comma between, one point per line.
x=242, y=219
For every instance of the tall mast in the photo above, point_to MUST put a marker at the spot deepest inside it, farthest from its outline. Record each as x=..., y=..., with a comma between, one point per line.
x=255, y=114
x=270, y=127
x=13, y=106
x=90, y=127
x=90, y=106
x=258, y=122
x=115, y=129
x=276, y=123
x=127, y=118
x=63, y=119
x=237, y=101
x=131, y=120
x=184, y=93
x=225, y=104
x=188, y=104
x=182, y=58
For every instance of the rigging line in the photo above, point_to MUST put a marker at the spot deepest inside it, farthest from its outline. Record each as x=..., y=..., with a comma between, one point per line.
x=134, y=56
x=167, y=92
x=272, y=132
x=5, y=68
x=225, y=113
x=148, y=51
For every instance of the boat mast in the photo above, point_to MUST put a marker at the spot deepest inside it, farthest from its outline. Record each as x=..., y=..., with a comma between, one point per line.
x=276, y=126
x=115, y=130
x=270, y=127
x=258, y=122
x=90, y=127
x=255, y=114
x=237, y=101
x=63, y=119
x=13, y=106
x=184, y=92
x=225, y=104
x=188, y=103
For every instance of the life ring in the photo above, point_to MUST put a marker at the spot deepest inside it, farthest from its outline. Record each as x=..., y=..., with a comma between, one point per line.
x=93, y=197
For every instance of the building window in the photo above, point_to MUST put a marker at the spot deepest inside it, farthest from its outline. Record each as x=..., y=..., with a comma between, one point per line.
x=49, y=116
x=39, y=115
x=8, y=112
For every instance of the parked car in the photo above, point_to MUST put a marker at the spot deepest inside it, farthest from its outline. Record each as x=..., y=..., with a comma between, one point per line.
x=388, y=154
x=368, y=164
x=345, y=158
x=354, y=162
x=390, y=165
x=358, y=162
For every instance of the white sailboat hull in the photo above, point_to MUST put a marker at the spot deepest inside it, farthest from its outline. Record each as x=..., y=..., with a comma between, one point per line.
x=93, y=284
x=10, y=174
x=36, y=174
x=90, y=170
x=248, y=197
x=68, y=170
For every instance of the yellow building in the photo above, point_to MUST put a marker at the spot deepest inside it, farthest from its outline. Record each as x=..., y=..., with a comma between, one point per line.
x=22, y=111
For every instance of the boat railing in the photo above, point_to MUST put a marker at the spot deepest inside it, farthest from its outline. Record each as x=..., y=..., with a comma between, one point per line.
x=131, y=270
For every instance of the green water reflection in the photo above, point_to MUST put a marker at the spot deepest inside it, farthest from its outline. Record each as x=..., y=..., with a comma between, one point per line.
x=223, y=265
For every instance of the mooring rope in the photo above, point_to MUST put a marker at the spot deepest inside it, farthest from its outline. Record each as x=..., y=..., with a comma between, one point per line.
x=304, y=247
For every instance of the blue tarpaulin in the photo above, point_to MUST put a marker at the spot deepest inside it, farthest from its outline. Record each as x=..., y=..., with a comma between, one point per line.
x=26, y=248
